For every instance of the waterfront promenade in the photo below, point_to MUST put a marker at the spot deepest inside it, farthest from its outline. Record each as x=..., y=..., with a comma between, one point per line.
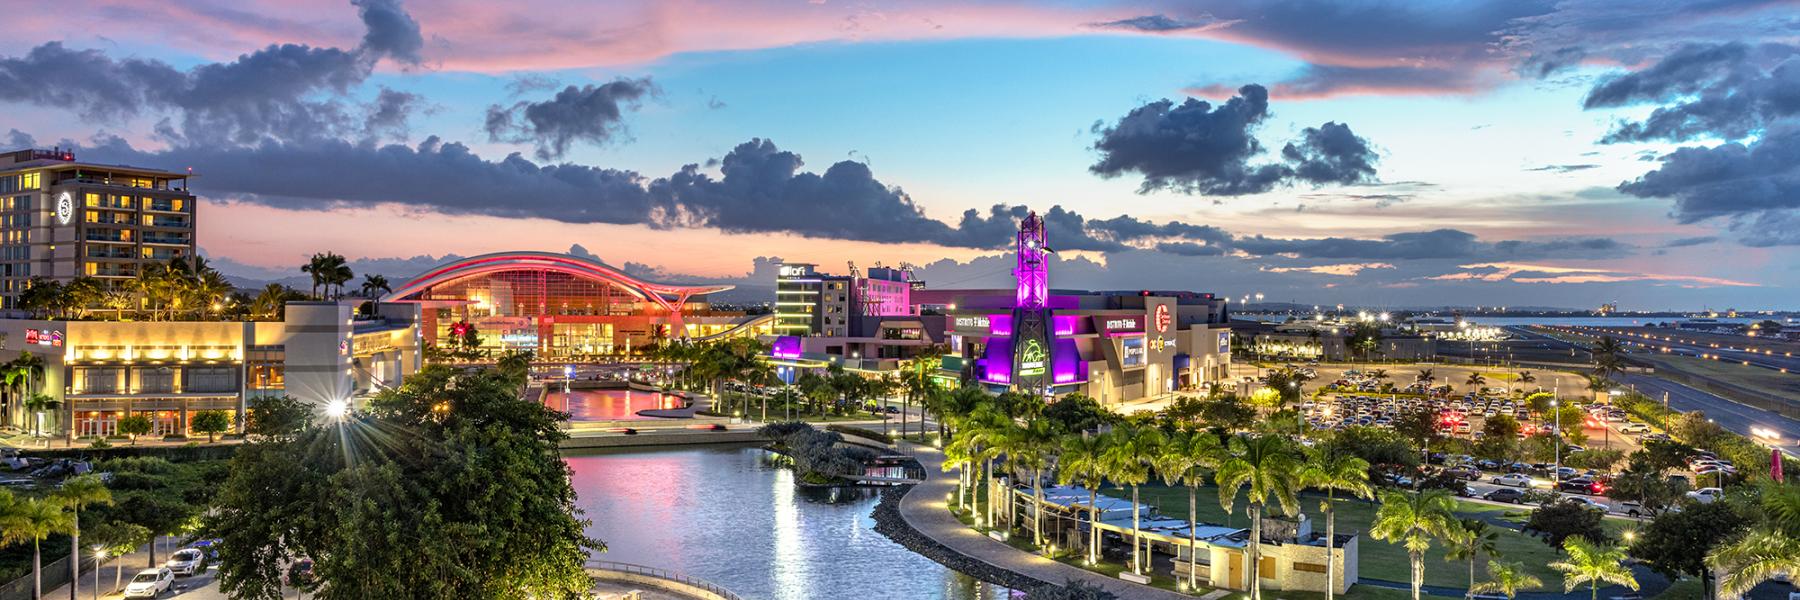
x=925, y=509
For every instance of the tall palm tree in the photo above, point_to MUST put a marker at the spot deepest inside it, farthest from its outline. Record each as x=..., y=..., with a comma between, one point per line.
x=1425, y=376
x=1183, y=458
x=32, y=520
x=927, y=361
x=1414, y=520
x=374, y=285
x=318, y=267
x=1608, y=357
x=1475, y=540
x=1334, y=472
x=1083, y=461
x=1475, y=380
x=1264, y=468
x=1507, y=579
x=1031, y=447
x=1127, y=457
x=1593, y=564
x=78, y=493
x=38, y=404
x=1771, y=547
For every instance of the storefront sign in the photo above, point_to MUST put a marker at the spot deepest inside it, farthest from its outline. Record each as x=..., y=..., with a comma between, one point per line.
x=972, y=322
x=43, y=337
x=1033, y=357
x=1117, y=326
x=795, y=271
x=1162, y=318
x=1131, y=352
x=1224, y=342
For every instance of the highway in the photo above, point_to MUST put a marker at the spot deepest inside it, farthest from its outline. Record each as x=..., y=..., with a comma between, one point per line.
x=1734, y=417
x=1674, y=342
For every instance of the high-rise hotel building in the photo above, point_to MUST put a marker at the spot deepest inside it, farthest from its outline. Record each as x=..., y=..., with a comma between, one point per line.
x=808, y=302
x=62, y=219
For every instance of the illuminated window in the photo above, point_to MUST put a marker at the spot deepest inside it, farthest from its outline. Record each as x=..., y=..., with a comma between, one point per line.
x=91, y=199
x=93, y=269
x=28, y=181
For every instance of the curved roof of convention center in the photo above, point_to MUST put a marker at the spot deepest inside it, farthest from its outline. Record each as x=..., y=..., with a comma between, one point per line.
x=544, y=261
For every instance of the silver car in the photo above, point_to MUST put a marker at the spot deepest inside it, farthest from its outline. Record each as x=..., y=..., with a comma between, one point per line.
x=187, y=561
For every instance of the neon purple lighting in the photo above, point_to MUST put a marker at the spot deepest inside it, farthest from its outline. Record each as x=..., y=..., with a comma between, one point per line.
x=998, y=363
x=1032, y=273
x=786, y=346
x=1066, y=365
x=1000, y=325
x=1064, y=324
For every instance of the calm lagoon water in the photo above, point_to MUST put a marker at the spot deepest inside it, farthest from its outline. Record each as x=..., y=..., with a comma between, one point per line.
x=729, y=515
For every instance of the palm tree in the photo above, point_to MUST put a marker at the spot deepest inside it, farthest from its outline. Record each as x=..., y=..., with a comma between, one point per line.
x=37, y=405
x=1474, y=541
x=1031, y=447
x=1608, y=357
x=375, y=284
x=1476, y=380
x=1414, y=520
x=32, y=519
x=1527, y=377
x=1771, y=547
x=1334, y=472
x=1083, y=460
x=270, y=301
x=1593, y=564
x=927, y=361
x=1127, y=457
x=78, y=493
x=1264, y=468
x=1507, y=579
x=1425, y=376
x=1181, y=460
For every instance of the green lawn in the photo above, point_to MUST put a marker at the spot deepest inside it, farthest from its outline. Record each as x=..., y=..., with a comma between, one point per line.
x=1379, y=560
x=1686, y=588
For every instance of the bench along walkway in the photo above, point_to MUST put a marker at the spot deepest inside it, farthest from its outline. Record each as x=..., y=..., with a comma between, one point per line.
x=925, y=510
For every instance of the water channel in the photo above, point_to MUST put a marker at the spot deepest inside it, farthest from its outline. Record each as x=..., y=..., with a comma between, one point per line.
x=732, y=515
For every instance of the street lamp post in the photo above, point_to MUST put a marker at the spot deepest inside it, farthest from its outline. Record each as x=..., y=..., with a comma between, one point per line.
x=99, y=557
x=1556, y=443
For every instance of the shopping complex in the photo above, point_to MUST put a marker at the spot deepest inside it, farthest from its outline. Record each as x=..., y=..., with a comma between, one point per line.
x=1114, y=346
x=67, y=220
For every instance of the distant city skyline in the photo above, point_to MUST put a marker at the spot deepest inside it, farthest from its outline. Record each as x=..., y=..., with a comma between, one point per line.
x=1472, y=153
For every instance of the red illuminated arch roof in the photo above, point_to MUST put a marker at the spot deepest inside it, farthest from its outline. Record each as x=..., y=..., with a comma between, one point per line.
x=661, y=293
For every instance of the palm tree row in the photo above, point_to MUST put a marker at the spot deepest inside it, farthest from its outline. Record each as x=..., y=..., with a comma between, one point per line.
x=176, y=288
x=1265, y=470
x=35, y=519
x=328, y=270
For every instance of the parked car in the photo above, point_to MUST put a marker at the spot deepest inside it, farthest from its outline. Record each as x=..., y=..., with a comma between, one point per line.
x=187, y=561
x=1635, y=509
x=1706, y=495
x=1588, y=503
x=1465, y=473
x=1634, y=428
x=1580, y=485
x=1512, y=495
x=150, y=583
x=1513, y=479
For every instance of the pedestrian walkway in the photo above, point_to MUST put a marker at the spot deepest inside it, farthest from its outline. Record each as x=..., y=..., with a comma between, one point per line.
x=925, y=510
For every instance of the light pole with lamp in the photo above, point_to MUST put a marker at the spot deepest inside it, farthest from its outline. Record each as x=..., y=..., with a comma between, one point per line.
x=1556, y=442
x=99, y=558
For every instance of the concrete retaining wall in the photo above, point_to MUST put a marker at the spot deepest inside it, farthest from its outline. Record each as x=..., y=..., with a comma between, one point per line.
x=648, y=581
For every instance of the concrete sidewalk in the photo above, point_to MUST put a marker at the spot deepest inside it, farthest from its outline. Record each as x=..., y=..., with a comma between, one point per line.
x=925, y=509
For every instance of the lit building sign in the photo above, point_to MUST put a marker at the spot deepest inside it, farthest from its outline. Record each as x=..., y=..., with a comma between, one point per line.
x=1224, y=342
x=1162, y=318
x=65, y=208
x=972, y=322
x=1120, y=325
x=43, y=337
x=1032, y=358
x=1131, y=352
x=795, y=270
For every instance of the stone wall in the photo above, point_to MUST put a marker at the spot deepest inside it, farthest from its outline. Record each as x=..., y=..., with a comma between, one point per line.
x=889, y=522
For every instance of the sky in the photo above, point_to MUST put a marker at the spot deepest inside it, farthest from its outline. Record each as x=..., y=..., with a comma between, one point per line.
x=1374, y=153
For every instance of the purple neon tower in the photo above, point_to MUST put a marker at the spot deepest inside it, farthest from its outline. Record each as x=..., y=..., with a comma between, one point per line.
x=1032, y=345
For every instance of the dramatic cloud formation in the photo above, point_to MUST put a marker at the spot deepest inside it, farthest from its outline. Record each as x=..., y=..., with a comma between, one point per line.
x=273, y=92
x=1754, y=187
x=1728, y=91
x=590, y=113
x=1534, y=273
x=1199, y=149
x=1441, y=243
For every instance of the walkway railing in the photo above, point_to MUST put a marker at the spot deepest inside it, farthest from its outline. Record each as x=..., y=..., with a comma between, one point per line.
x=662, y=574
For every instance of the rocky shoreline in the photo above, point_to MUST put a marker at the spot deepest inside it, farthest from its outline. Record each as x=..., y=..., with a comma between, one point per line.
x=890, y=523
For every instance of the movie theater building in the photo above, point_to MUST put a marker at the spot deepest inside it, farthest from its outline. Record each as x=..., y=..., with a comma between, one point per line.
x=102, y=371
x=1112, y=346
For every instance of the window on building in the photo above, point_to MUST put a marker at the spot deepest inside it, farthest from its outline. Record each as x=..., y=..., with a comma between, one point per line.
x=210, y=379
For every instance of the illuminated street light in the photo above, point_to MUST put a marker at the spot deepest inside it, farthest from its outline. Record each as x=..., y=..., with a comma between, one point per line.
x=336, y=409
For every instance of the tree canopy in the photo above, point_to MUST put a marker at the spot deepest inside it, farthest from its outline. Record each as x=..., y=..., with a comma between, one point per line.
x=451, y=485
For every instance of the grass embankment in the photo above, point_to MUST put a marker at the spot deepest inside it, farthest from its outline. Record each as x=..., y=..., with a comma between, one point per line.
x=1772, y=382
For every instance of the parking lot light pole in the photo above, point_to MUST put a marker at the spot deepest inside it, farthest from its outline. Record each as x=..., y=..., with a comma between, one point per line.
x=1556, y=443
